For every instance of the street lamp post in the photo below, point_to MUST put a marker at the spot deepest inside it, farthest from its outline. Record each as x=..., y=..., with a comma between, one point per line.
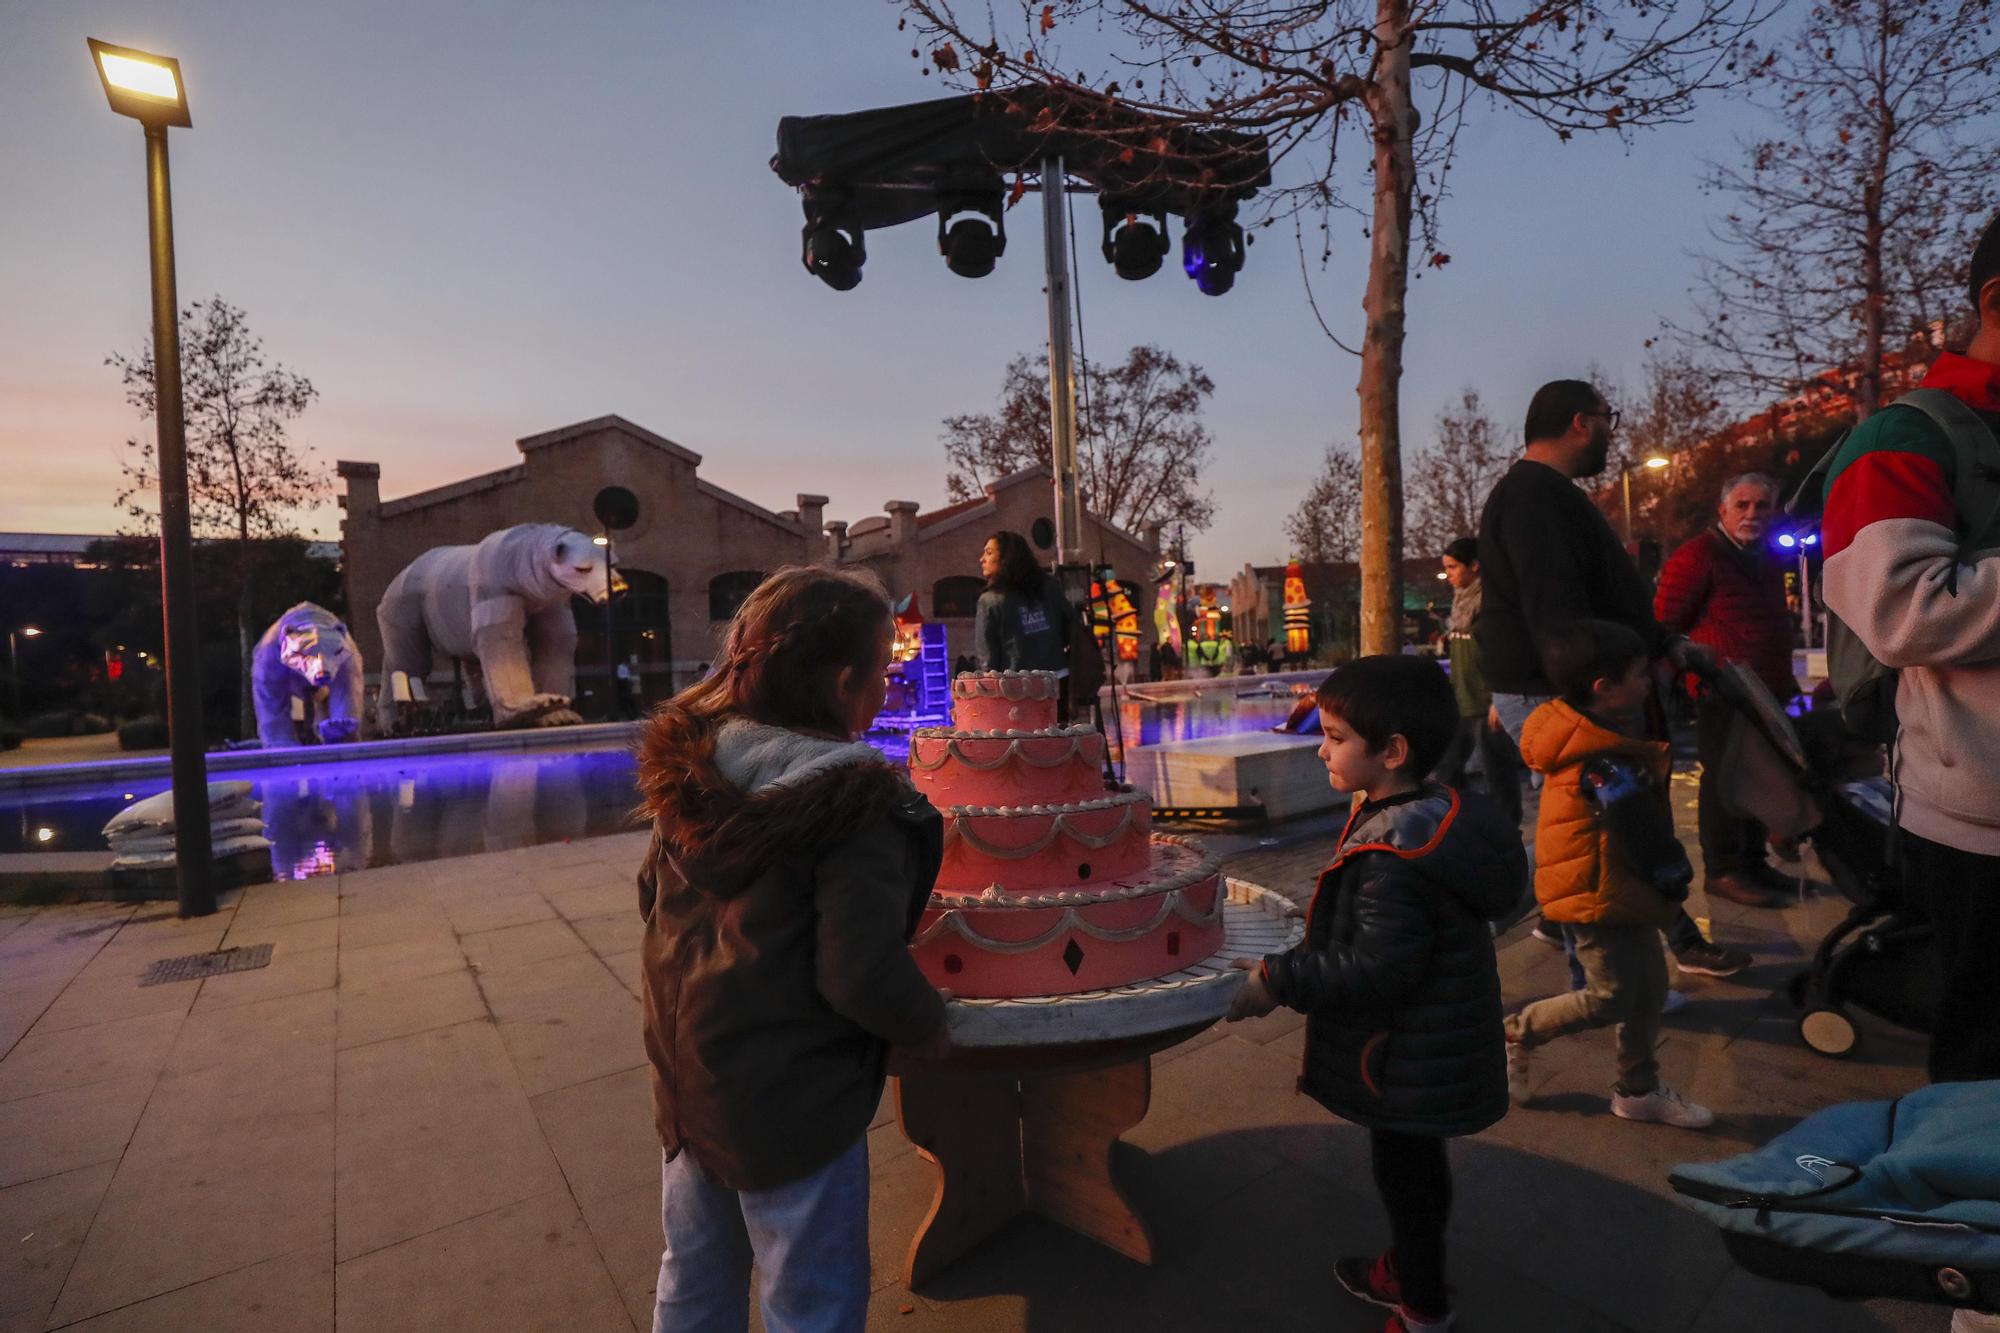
x=1653, y=463
x=14, y=664
x=149, y=89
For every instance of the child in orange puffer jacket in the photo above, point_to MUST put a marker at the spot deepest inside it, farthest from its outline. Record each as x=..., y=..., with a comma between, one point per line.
x=1590, y=873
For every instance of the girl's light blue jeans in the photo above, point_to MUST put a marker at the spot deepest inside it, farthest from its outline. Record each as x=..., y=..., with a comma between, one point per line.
x=809, y=1240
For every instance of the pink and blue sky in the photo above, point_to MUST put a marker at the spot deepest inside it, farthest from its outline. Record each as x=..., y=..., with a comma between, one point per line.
x=470, y=222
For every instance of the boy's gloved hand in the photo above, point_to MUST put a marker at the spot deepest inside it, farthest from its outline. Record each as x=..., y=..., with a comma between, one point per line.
x=1254, y=1000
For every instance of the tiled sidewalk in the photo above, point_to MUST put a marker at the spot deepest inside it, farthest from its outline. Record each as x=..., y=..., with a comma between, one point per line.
x=431, y=1112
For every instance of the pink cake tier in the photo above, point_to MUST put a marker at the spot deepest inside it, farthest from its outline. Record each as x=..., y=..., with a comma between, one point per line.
x=998, y=944
x=1005, y=701
x=1053, y=767
x=1022, y=848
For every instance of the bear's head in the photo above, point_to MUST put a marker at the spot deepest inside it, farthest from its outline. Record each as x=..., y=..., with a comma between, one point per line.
x=579, y=566
x=314, y=646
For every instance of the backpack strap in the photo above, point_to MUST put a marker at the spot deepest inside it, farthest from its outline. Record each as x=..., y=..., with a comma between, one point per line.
x=1975, y=459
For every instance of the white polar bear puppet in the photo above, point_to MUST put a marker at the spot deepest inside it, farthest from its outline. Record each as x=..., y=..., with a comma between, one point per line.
x=501, y=608
x=306, y=654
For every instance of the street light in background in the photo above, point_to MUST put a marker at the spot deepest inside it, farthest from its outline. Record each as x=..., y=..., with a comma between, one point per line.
x=1653, y=464
x=14, y=664
x=148, y=88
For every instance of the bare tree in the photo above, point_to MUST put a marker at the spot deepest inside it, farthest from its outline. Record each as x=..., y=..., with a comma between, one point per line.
x=1141, y=443
x=1677, y=407
x=1847, y=228
x=1449, y=482
x=246, y=481
x=1301, y=72
x=1326, y=527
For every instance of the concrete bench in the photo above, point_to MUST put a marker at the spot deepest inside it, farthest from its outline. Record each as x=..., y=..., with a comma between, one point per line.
x=1280, y=773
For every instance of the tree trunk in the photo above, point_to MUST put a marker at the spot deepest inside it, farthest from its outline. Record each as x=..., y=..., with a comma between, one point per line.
x=246, y=711
x=1868, y=391
x=1382, y=345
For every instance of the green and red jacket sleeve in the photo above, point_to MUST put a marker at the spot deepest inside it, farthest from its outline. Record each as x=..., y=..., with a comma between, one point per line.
x=1890, y=533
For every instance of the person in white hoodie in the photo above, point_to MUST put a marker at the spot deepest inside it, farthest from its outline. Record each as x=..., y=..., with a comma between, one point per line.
x=1918, y=582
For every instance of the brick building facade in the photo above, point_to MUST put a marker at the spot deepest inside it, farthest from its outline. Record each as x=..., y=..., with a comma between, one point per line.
x=696, y=549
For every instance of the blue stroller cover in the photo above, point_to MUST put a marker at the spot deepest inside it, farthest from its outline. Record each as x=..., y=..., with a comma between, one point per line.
x=1913, y=1182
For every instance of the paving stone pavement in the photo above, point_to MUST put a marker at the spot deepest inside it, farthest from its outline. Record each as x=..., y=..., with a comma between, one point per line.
x=431, y=1113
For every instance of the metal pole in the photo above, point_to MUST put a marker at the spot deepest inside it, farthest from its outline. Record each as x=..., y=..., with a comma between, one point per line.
x=14, y=673
x=1625, y=476
x=1062, y=369
x=193, y=855
x=615, y=708
x=1805, y=597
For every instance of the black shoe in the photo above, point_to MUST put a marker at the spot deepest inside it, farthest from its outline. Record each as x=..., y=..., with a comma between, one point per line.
x=1711, y=960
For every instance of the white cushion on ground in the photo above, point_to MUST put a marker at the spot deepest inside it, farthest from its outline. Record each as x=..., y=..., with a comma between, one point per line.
x=222, y=847
x=158, y=840
x=226, y=800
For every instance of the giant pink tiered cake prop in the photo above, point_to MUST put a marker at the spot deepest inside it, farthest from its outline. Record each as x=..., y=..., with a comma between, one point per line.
x=1051, y=883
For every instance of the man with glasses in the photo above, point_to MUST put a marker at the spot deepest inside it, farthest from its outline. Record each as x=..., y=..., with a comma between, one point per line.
x=1548, y=558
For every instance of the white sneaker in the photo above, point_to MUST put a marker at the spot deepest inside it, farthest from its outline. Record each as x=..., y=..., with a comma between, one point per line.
x=1662, y=1106
x=1518, y=1089
x=1676, y=1001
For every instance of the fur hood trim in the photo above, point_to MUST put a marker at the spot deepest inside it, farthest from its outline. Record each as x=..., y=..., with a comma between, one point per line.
x=757, y=794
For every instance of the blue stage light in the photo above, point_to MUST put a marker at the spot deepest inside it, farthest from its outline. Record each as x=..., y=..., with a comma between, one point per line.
x=1786, y=540
x=1810, y=539
x=1212, y=250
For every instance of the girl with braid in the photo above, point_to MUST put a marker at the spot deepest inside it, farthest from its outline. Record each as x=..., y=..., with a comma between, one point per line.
x=788, y=867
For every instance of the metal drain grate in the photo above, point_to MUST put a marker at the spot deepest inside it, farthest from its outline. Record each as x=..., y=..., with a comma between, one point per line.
x=195, y=966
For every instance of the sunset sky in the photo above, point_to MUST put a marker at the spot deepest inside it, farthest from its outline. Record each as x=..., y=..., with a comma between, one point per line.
x=470, y=222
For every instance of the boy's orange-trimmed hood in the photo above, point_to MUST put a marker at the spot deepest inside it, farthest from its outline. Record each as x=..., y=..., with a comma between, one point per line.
x=1558, y=735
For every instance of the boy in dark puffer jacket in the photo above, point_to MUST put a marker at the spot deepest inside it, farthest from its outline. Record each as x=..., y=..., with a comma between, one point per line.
x=1396, y=974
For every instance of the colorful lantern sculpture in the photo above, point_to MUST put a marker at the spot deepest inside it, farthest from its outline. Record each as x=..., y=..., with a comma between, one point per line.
x=1298, y=613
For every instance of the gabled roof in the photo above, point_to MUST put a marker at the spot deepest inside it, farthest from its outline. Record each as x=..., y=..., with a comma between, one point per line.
x=563, y=434
x=937, y=516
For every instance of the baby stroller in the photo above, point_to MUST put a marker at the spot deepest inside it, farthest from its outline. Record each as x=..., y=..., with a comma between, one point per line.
x=1808, y=779
x=1869, y=1199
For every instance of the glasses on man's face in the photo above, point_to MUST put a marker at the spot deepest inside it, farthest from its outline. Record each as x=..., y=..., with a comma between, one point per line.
x=1611, y=417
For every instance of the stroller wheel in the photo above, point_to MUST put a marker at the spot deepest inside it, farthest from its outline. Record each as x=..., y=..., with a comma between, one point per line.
x=1829, y=1032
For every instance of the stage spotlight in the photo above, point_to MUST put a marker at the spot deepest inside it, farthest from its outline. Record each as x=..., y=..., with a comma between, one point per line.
x=1212, y=249
x=971, y=235
x=1134, y=243
x=1786, y=540
x=834, y=253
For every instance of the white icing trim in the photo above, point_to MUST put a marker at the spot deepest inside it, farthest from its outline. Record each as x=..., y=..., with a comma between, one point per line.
x=1059, y=817
x=1005, y=733
x=1173, y=903
x=1015, y=685
x=997, y=898
x=1066, y=808
x=1013, y=750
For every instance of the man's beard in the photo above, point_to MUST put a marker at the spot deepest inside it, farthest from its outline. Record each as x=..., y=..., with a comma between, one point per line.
x=1597, y=455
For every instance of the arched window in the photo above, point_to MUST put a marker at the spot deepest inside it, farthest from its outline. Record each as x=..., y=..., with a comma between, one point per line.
x=956, y=597
x=726, y=592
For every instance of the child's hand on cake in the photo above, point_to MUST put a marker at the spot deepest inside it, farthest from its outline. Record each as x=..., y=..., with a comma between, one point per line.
x=1254, y=1000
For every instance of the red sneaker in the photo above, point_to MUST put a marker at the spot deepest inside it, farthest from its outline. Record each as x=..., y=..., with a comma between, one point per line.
x=1372, y=1280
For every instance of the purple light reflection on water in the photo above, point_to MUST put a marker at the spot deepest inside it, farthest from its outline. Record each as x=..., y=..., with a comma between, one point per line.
x=350, y=815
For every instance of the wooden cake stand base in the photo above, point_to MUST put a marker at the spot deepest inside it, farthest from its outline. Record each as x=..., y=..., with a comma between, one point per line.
x=1029, y=1128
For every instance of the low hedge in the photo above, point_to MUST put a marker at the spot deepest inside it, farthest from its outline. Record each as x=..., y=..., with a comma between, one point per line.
x=50, y=726
x=143, y=733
